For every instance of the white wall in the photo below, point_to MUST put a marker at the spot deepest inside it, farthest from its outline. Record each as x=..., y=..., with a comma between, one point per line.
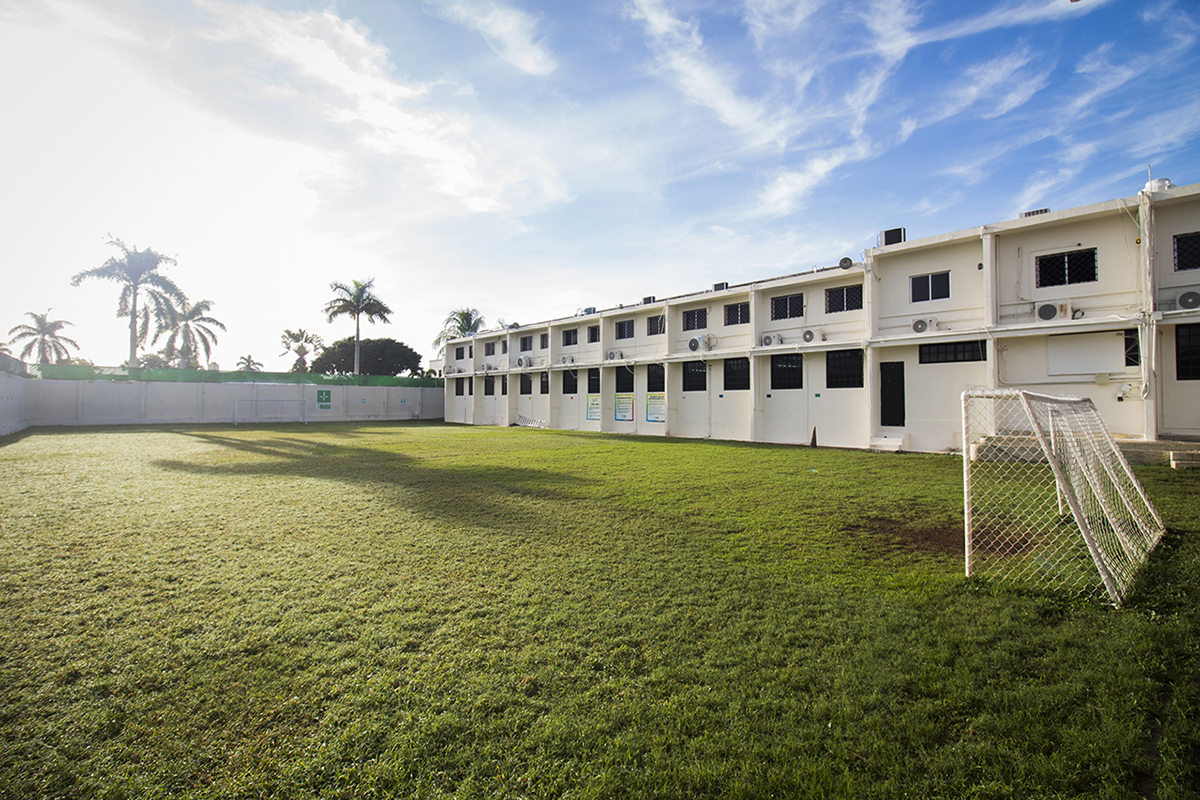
x=12, y=403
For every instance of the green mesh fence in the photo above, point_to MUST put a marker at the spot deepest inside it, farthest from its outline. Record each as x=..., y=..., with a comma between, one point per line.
x=83, y=372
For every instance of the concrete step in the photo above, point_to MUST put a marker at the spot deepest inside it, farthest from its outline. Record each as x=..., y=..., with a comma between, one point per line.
x=890, y=444
x=1139, y=452
x=1185, y=459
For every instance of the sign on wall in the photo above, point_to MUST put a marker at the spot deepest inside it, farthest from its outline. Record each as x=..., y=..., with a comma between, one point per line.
x=656, y=407
x=593, y=406
x=623, y=407
x=324, y=399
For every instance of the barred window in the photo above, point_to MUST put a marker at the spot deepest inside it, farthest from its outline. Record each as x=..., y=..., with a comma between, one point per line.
x=489, y=348
x=489, y=385
x=526, y=383
x=459, y=353
x=695, y=376
x=1063, y=269
x=526, y=344
x=593, y=334
x=844, y=369
x=1187, y=251
x=1133, y=348
x=935, y=286
x=737, y=374
x=544, y=388
x=787, y=371
x=504, y=347
x=843, y=298
x=787, y=307
x=503, y=384
x=946, y=352
x=624, y=329
x=624, y=382
x=545, y=341
x=570, y=337
x=594, y=380
x=1187, y=352
x=656, y=325
x=460, y=387
x=570, y=382
x=695, y=319
x=737, y=313
x=470, y=351
x=656, y=378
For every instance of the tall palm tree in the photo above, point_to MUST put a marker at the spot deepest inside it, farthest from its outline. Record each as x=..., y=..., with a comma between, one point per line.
x=459, y=322
x=43, y=338
x=302, y=343
x=248, y=364
x=356, y=301
x=137, y=273
x=188, y=329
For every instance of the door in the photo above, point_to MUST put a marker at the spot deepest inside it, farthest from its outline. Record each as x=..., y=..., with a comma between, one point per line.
x=891, y=394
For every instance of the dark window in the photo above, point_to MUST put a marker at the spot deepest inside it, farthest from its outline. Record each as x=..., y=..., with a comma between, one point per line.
x=594, y=380
x=947, y=352
x=1187, y=251
x=470, y=351
x=526, y=344
x=459, y=353
x=544, y=388
x=656, y=325
x=1187, y=352
x=526, y=383
x=624, y=380
x=787, y=307
x=460, y=386
x=593, y=334
x=787, y=371
x=695, y=320
x=843, y=298
x=1061, y=269
x=844, y=369
x=695, y=376
x=544, y=342
x=570, y=337
x=1133, y=348
x=737, y=374
x=624, y=329
x=929, y=287
x=504, y=347
x=570, y=381
x=489, y=385
x=504, y=384
x=489, y=348
x=737, y=314
x=471, y=386
x=656, y=378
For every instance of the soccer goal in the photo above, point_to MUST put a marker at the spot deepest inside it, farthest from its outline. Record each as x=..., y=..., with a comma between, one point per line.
x=1049, y=500
x=264, y=409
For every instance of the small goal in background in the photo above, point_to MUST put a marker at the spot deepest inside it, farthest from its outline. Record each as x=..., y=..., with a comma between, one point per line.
x=1049, y=500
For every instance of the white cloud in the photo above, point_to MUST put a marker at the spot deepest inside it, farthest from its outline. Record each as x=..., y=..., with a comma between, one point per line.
x=509, y=32
x=791, y=187
x=1009, y=16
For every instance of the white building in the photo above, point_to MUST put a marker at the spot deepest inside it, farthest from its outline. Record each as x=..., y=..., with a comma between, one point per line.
x=1101, y=301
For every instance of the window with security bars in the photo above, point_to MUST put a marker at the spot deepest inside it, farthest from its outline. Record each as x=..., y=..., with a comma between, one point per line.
x=948, y=352
x=504, y=384
x=593, y=334
x=787, y=307
x=526, y=383
x=594, y=380
x=1187, y=251
x=570, y=382
x=460, y=387
x=1133, y=348
x=935, y=286
x=844, y=369
x=545, y=341
x=737, y=313
x=843, y=298
x=737, y=374
x=655, y=326
x=624, y=329
x=656, y=378
x=696, y=319
x=624, y=380
x=526, y=344
x=1064, y=269
x=489, y=385
x=544, y=388
x=695, y=376
x=1187, y=352
x=460, y=353
x=570, y=337
x=489, y=348
x=787, y=371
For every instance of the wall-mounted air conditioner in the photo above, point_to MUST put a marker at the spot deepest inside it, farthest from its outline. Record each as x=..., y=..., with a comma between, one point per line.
x=924, y=324
x=891, y=236
x=770, y=339
x=568, y=359
x=1057, y=311
x=614, y=355
x=1189, y=300
x=812, y=334
x=524, y=361
x=698, y=343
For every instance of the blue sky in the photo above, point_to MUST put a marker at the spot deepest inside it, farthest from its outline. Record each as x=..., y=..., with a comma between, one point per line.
x=530, y=159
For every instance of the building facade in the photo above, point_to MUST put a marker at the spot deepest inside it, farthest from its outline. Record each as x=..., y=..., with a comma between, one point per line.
x=1101, y=301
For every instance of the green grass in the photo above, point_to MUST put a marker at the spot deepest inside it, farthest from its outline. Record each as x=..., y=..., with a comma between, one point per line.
x=420, y=610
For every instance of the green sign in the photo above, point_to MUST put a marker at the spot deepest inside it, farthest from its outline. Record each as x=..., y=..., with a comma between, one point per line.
x=324, y=399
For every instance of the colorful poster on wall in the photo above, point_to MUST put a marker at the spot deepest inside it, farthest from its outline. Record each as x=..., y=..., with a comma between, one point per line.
x=593, y=406
x=623, y=407
x=656, y=407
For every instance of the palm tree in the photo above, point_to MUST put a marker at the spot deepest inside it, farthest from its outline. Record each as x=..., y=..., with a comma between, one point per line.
x=248, y=364
x=460, y=322
x=300, y=342
x=137, y=272
x=44, y=338
x=356, y=301
x=188, y=330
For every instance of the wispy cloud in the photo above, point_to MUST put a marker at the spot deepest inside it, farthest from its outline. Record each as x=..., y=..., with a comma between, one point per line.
x=791, y=187
x=511, y=33
x=1010, y=16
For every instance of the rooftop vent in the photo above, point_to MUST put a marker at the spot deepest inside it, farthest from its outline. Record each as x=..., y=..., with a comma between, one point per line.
x=1034, y=213
x=648, y=299
x=891, y=236
x=720, y=287
x=1158, y=185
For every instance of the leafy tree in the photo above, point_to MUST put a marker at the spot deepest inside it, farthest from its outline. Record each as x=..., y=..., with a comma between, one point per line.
x=143, y=288
x=302, y=343
x=189, y=329
x=156, y=361
x=378, y=357
x=459, y=322
x=356, y=301
x=247, y=364
x=43, y=338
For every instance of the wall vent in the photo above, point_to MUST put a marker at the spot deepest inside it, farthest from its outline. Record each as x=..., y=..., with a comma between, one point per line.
x=1036, y=212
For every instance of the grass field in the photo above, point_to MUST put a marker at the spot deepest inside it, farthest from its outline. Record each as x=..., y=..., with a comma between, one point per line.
x=421, y=610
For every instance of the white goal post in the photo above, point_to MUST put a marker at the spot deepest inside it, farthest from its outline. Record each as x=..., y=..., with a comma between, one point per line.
x=273, y=409
x=1049, y=499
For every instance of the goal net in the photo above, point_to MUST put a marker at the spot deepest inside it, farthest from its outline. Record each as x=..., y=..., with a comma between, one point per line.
x=1049, y=500
x=262, y=409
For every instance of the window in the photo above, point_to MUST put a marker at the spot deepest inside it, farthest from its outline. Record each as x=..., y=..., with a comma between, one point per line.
x=930, y=287
x=594, y=380
x=787, y=307
x=844, y=369
x=571, y=337
x=787, y=371
x=1062, y=269
x=459, y=353
x=737, y=374
x=471, y=386
x=526, y=383
x=544, y=388
x=845, y=298
x=489, y=348
x=544, y=342
x=624, y=380
x=656, y=378
x=471, y=351
x=737, y=313
x=625, y=329
x=489, y=385
x=1187, y=352
x=570, y=382
x=946, y=352
x=1187, y=251
x=695, y=320
x=1133, y=348
x=504, y=347
x=526, y=344
x=593, y=334
x=656, y=326
x=460, y=387
x=504, y=384
x=695, y=376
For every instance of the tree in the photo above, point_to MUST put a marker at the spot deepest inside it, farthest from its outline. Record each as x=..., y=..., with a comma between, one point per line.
x=188, y=329
x=356, y=301
x=300, y=342
x=137, y=273
x=379, y=357
x=43, y=339
x=247, y=364
x=459, y=322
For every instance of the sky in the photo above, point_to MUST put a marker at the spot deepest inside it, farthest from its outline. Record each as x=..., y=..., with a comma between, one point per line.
x=530, y=159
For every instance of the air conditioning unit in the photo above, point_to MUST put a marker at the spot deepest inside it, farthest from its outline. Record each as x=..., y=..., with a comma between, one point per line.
x=615, y=355
x=1189, y=300
x=924, y=324
x=524, y=361
x=891, y=236
x=1055, y=312
x=698, y=343
x=568, y=359
x=770, y=339
x=812, y=334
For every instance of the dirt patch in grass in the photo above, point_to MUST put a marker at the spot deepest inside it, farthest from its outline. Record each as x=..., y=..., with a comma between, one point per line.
x=901, y=537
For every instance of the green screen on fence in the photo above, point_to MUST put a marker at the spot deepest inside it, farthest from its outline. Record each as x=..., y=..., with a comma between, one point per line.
x=83, y=372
